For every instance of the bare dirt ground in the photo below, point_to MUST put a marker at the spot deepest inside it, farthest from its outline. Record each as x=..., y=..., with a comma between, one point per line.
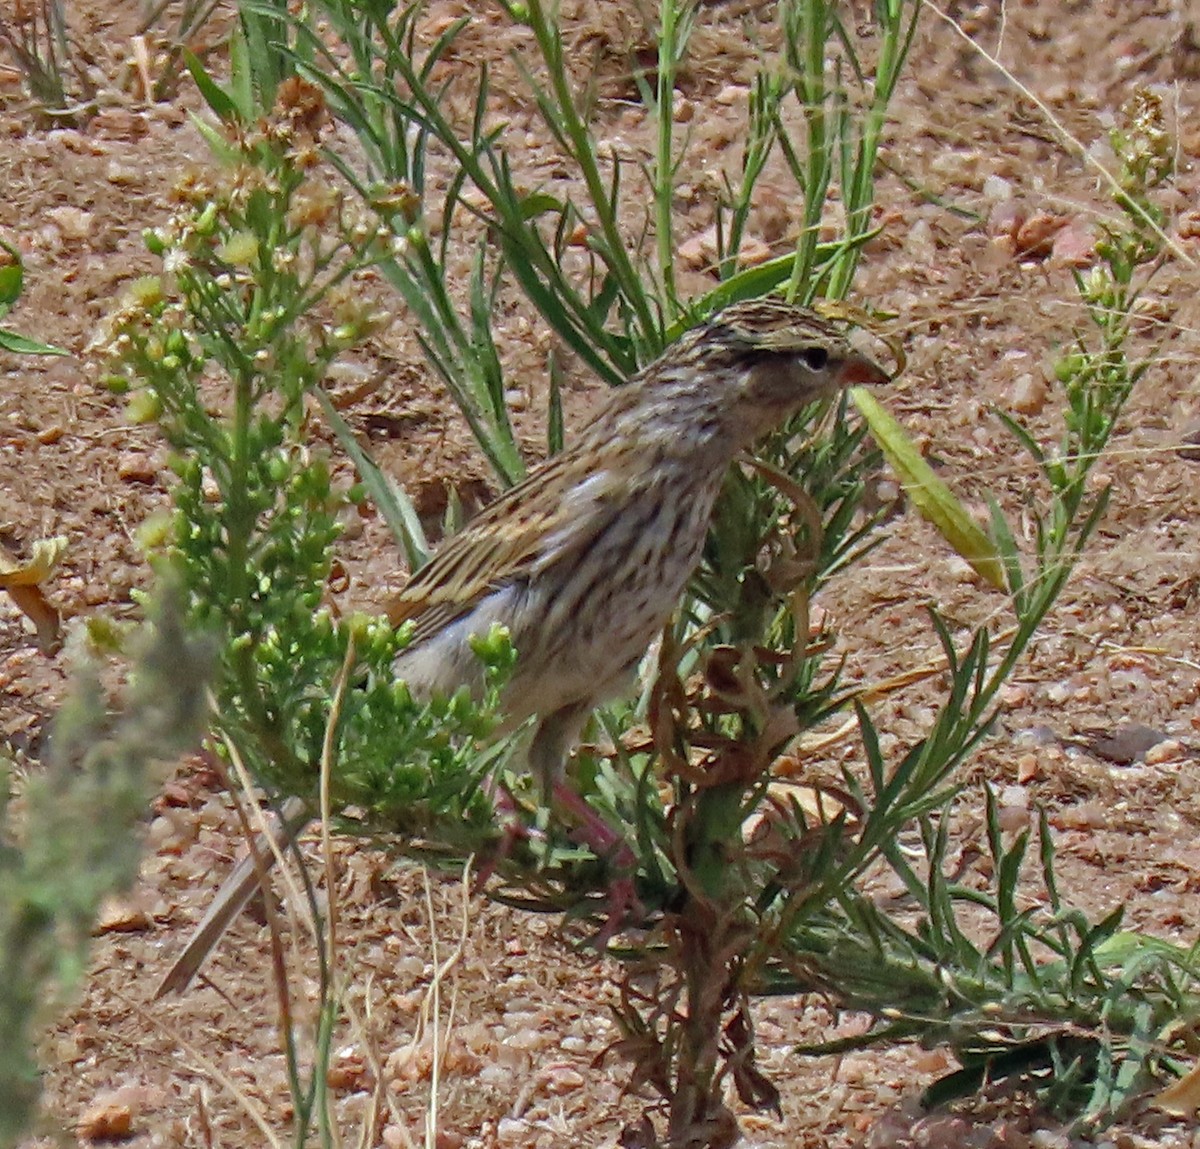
x=523, y=1063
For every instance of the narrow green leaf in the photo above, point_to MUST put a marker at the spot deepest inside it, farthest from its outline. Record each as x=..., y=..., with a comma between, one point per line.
x=395, y=506
x=539, y=203
x=212, y=136
x=932, y=497
x=219, y=102
x=242, y=76
x=1009, y=555
x=19, y=345
x=554, y=413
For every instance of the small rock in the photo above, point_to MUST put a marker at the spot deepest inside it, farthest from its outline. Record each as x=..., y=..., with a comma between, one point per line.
x=695, y=252
x=856, y=1067
x=1086, y=816
x=525, y=1040
x=700, y=251
x=920, y=243
x=72, y=222
x=995, y=255
x=1015, y=796
x=1074, y=245
x=513, y=1131
x=172, y=833
x=119, y=916
x=941, y=1131
x=1124, y=746
x=1057, y=693
x=1029, y=394
x=1048, y=1139
x=51, y=434
x=106, y=1120
x=1188, y=225
x=408, y=1064
x=1040, y=735
x=348, y=1073
x=120, y=174
x=173, y=794
x=137, y=467
x=1190, y=445
x=559, y=1079
x=753, y=252
x=894, y=1128
x=1014, y=694
x=957, y=166
x=997, y=189
x=958, y=568
x=1169, y=750
x=1029, y=766
x=1006, y=218
x=1035, y=237
x=119, y=124
x=1012, y=819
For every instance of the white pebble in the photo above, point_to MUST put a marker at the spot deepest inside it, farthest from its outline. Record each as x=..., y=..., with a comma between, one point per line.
x=997, y=188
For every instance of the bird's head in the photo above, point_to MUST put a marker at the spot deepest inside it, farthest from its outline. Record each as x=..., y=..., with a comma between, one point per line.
x=777, y=358
x=730, y=380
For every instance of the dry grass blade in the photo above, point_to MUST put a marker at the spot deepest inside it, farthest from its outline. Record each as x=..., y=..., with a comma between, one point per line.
x=328, y=754
x=431, y=1005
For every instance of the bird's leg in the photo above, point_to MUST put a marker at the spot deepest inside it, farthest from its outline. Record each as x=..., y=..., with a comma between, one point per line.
x=622, y=904
x=547, y=756
x=513, y=830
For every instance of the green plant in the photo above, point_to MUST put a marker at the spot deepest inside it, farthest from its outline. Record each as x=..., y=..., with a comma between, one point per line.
x=38, y=41
x=12, y=280
x=226, y=352
x=1087, y=1013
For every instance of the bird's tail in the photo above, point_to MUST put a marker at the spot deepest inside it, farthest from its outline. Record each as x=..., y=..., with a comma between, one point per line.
x=233, y=895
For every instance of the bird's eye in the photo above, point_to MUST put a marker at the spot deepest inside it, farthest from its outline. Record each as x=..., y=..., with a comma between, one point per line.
x=815, y=358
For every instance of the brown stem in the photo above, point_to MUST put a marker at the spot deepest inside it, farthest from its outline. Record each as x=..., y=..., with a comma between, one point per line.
x=697, y=1115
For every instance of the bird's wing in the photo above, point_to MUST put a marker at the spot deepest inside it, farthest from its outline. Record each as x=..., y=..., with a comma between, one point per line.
x=557, y=509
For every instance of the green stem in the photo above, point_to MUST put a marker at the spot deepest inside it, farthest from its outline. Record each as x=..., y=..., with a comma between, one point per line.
x=583, y=153
x=664, y=166
x=810, y=27
x=859, y=190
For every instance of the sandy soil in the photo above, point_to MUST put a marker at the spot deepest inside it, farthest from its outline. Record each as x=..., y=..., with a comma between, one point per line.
x=981, y=324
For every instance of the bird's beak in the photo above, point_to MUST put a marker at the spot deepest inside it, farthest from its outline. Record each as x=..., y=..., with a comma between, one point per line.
x=859, y=371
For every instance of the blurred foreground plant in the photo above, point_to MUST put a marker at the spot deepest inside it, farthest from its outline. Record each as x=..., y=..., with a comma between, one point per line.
x=69, y=834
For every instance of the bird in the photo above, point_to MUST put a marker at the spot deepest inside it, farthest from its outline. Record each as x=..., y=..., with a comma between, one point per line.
x=585, y=560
